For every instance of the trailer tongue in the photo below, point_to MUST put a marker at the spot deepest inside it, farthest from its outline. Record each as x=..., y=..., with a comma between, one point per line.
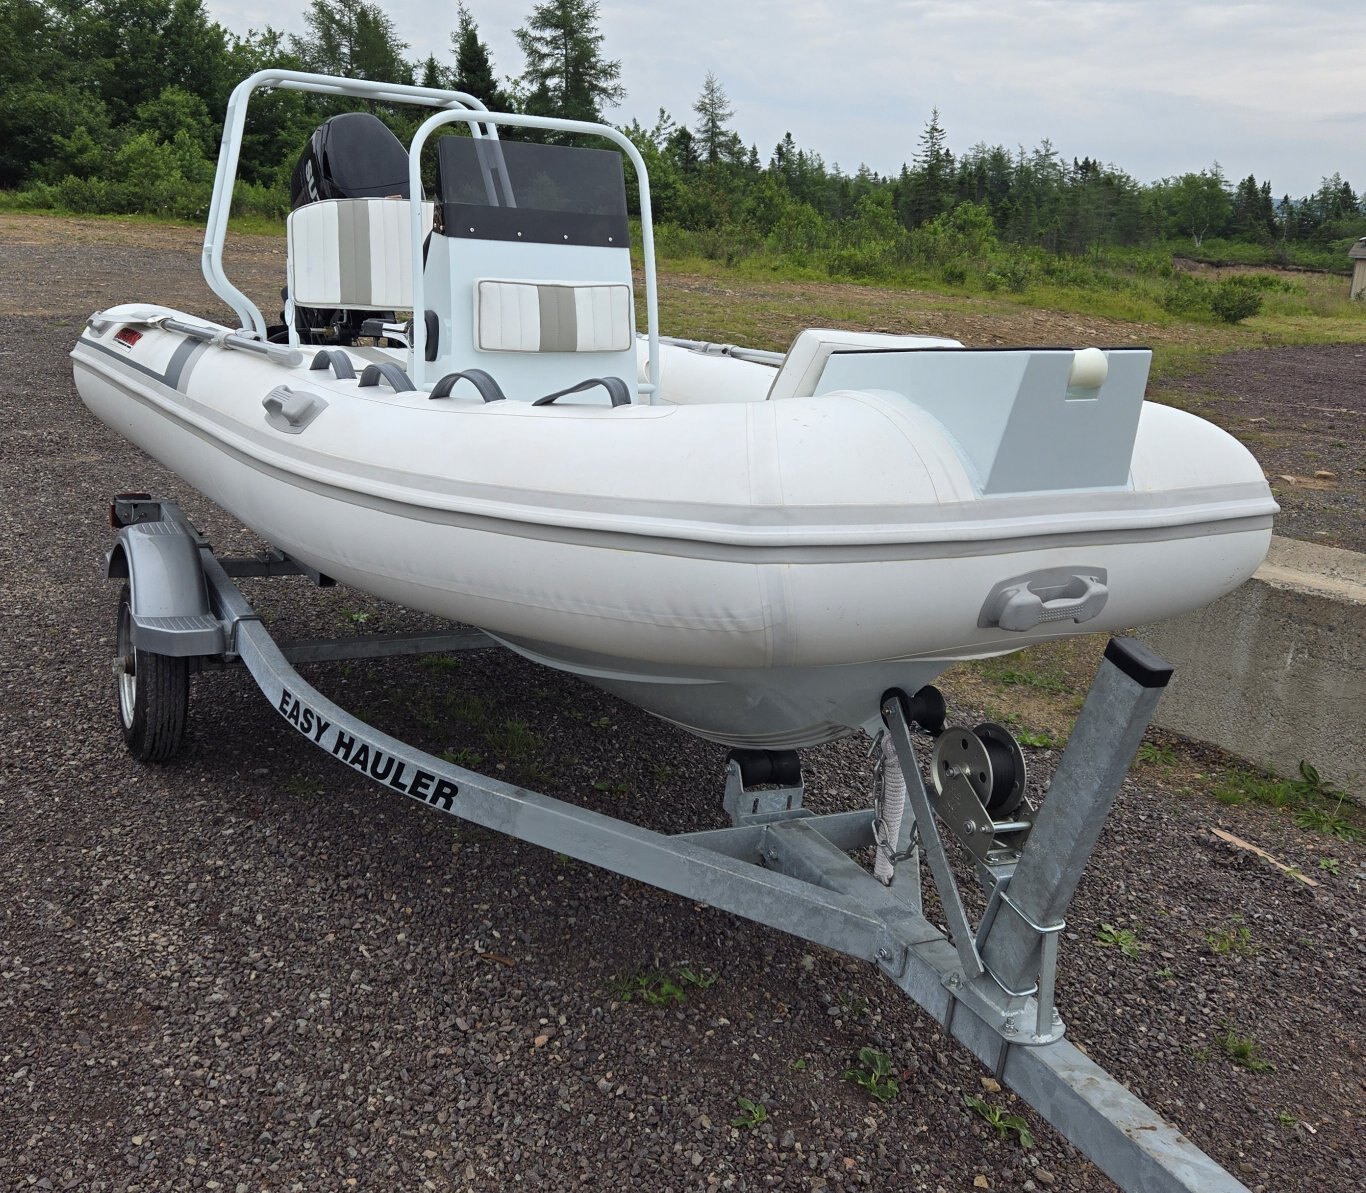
x=989, y=987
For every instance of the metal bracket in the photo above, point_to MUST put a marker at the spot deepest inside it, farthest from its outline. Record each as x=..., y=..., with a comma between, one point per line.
x=758, y=805
x=932, y=842
x=1011, y=1005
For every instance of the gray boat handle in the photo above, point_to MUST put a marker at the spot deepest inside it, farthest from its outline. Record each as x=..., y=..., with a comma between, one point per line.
x=336, y=360
x=1062, y=596
x=388, y=371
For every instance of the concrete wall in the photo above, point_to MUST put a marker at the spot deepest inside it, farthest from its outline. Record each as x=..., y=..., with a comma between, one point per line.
x=1276, y=671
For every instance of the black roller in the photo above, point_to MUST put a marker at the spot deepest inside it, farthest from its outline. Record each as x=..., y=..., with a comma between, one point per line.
x=760, y=768
x=926, y=708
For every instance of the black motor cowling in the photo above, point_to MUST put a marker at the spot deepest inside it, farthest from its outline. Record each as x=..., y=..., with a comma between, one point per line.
x=349, y=156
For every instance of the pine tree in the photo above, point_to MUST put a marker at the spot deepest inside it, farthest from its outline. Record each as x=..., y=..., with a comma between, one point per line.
x=927, y=191
x=566, y=74
x=713, y=111
x=473, y=66
x=353, y=39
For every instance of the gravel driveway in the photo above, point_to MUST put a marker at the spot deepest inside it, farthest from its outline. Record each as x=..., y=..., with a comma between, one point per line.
x=250, y=970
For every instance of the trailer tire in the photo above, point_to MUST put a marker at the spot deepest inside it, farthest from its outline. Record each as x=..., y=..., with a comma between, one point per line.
x=153, y=693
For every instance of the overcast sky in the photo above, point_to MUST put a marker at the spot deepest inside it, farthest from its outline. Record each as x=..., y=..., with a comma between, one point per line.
x=1157, y=87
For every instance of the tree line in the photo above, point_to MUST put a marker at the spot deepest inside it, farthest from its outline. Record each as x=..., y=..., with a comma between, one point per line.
x=115, y=106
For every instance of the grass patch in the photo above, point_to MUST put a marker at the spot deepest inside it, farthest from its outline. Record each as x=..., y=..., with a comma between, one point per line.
x=1242, y=1051
x=1233, y=939
x=513, y=741
x=465, y=757
x=1152, y=754
x=1315, y=803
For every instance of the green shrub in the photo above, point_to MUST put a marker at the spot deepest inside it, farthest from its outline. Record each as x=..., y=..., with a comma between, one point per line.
x=1234, y=300
x=1186, y=295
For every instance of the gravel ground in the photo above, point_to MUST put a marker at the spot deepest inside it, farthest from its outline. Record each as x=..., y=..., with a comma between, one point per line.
x=250, y=970
x=1302, y=412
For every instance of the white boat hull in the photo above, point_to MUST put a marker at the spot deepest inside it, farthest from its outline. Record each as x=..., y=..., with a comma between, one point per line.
x=756, y=572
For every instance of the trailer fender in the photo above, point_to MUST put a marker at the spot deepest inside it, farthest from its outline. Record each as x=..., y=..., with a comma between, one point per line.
x=169, y=598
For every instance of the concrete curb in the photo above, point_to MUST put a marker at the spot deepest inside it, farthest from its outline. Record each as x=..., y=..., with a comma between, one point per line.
x=1275, y=672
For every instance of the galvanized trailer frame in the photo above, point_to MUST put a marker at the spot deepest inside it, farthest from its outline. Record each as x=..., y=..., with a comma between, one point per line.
x=778, y=864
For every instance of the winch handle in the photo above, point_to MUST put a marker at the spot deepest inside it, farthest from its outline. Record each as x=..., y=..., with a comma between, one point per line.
x=1016, y=606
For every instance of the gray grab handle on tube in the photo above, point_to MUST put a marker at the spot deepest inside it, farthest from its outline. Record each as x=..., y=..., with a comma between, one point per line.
x=1051, y=594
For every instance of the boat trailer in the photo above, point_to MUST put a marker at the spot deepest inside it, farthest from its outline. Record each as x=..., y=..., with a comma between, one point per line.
x=990, y=988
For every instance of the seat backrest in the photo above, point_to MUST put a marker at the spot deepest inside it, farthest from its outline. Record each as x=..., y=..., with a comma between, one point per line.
x=531, y=316
x=800, y=373
x=352, y=254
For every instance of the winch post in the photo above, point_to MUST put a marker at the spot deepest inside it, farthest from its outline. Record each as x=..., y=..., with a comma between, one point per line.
x=1103, y=744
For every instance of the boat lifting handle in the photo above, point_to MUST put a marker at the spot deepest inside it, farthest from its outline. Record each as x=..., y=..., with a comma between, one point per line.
x=1051, y=594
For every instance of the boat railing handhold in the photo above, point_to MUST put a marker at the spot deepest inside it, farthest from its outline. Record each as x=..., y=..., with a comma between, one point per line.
x=386, y=370
x=488, y=388
x=237, y=341
x=616, y=389
x=336, y=360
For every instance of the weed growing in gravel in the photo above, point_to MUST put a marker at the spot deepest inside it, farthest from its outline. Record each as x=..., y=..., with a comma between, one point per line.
x=469, y=759
x=513, y=741
x=1329, y=865
x=1242, y=1050
x=1155, y=755
x=358, y=616
x=797, y=1064
x=874, y=1074
x=1287, y=1120
x=1040, y=741
x=703, y=979
x=655, y=988
x=1232, y=939
x=1317, y=804
x=1327, y=820
x=650, y=986
x=616, y=787
x=439, y=662
x=1124, y=939
x=473, y=710
x=751, y=1115
x=1002, y=1122
x=853, y=1006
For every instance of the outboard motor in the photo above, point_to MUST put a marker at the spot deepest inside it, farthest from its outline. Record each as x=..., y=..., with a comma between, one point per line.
x=349, y=156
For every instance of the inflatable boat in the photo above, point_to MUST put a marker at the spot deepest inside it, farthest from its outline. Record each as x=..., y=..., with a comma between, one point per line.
x=753, y=545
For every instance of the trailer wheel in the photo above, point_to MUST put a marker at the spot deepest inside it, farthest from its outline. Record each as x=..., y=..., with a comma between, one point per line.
x=153, y=691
